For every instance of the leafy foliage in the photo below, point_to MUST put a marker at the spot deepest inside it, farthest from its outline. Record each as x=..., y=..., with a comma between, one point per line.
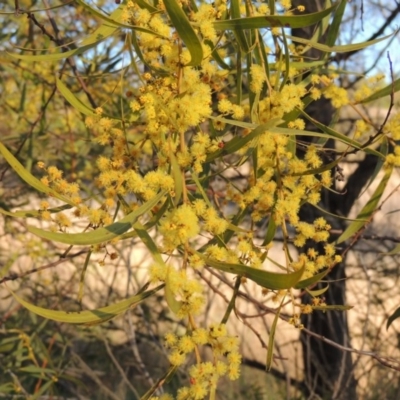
x=180, y=125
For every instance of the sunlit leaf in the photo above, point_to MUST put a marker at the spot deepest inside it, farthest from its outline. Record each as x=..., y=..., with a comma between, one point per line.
x=305, y=283
x=173, y=304
x=270, y=234
x=88, y=317
x=340, y=48
x=32, y=369
x=148, y=242
x=34, y=213
x=318, y=292
x=239, y=142
x=239, y=33
x=73, y=100
x=178, y=179
x=332, y=308
x=185, y=31
x=43, y=389
x=268, y=280
x=271, y=339
x=335, y=25
x=332, y=134
x=231, y=305
x=268, y=21
x=99, y=235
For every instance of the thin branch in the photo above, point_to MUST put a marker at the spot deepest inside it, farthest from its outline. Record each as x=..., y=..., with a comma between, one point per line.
x=345, y=56
x=15, y=276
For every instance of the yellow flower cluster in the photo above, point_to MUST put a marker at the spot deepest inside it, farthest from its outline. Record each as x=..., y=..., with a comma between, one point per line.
x=362, y=128
x=188, y=291
x=392, y=128
x=282, y=197
x=313, y=262
x=368, y=87
x=70, y=190
x=168, y=144
x=338, y=95
x=393, y=159
x=204, y=375
x=178, y=226
x=55, y=180
x=279, y=103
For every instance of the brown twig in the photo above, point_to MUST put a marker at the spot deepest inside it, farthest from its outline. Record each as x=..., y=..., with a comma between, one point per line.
x=15, y=276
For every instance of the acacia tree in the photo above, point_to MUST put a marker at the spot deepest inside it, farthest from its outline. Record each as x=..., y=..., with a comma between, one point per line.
x=195, y=117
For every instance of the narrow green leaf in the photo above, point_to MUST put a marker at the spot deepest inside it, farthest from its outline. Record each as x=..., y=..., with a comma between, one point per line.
x=148, y=242
x=239, y=33
x=173, y=304
x=43, y=389
x=270, y=21
x=178, y=179
x=73, y=100
x=8, y=387
x=33, y=213
x=33, y=369
x=25, y=175
x=316, y=293
x=322, y=27
x=268, y=280
x=367, y=211
x=393, y=317
x=270, y=235
x=340, y=48
x=311, y=281
x=82, y=277
x=99, y=235
x=232, y=302
x=286, y=54
x=336, y=25
x=383, y=149
x=271, y=339
x=185, y=31
x=299, y=65
x=164, y=379
x=90, y=317
x=336, y=215
x=335, y=135
x=239, y=142
x=272, y=126
x=22, y=101
x=332, y=308
x=147, y=6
